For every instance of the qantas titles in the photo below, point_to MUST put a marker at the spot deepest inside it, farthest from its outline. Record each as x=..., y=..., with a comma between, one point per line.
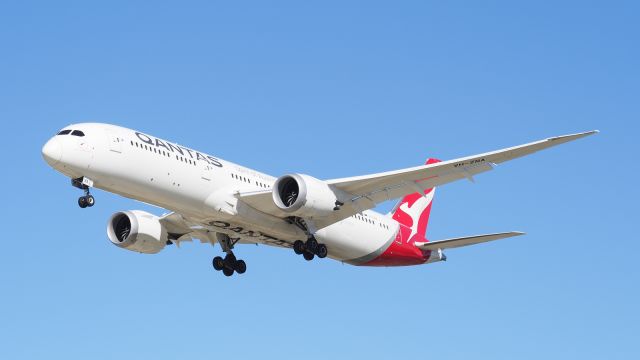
x=249, y=233
x=149, y=140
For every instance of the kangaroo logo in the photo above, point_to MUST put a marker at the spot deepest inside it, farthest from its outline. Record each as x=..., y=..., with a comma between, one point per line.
x=416, y=208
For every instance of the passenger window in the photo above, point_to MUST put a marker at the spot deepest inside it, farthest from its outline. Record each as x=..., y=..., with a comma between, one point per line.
x=77, y=133
x=64, y=132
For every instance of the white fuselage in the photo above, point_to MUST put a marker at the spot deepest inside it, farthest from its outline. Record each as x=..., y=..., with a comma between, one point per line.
x=201, y=188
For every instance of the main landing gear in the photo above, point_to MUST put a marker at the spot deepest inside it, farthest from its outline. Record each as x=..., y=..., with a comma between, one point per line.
x=84, y=183
x=310, y=249
x=229, y=264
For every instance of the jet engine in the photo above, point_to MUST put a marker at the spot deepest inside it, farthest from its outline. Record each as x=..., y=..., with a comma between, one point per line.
x=138, y=231
x=304, y=196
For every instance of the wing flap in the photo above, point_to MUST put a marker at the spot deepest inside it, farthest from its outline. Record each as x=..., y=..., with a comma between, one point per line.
x=465, y=241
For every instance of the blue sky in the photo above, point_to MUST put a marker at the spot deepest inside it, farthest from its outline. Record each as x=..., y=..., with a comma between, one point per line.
x=330, y=89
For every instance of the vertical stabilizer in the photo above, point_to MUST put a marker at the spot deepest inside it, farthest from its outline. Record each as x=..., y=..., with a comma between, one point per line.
x=413, y=211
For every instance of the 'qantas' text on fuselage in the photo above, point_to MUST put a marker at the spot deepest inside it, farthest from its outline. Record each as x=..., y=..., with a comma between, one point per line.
x=150, y=140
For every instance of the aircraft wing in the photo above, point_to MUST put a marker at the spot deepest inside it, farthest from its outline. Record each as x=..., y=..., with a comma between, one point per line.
x=181, y=229
x=395, y=184
x=365, y=192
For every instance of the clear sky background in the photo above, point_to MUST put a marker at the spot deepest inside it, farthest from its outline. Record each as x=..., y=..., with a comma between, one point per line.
x=330, y=89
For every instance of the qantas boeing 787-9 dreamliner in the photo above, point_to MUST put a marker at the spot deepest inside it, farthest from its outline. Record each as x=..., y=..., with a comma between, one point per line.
x=216, y=201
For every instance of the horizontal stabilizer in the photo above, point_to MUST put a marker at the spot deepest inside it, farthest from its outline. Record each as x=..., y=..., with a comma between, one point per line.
x=464, y=241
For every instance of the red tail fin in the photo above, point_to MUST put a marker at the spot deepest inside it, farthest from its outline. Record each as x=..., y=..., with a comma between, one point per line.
x=413, y=211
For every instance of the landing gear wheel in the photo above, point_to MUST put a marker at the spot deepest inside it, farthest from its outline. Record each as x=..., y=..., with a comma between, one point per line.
x=298, y=247
x=311, y=245
x=90, y=200
x=84, y=183
x=310, y=248
x=321, y=251
x=227, y=272
x=218, y=263
x=230, y=261
x=308, y=256
x=240, y=267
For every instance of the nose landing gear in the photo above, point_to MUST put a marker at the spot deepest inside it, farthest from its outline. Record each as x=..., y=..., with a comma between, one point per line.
x=84, y=183
x=86, y=201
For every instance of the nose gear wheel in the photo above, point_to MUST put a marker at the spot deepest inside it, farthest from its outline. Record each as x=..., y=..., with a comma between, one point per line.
x=87, y=200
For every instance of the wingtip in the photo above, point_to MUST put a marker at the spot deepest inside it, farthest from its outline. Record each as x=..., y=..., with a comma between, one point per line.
x=571, y=137
x=587, y=133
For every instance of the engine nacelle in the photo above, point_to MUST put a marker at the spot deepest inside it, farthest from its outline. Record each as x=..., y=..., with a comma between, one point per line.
x=304, y=196
x=138, y=231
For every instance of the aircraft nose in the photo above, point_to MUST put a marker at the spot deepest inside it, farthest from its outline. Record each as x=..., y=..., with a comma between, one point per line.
x=52, y=151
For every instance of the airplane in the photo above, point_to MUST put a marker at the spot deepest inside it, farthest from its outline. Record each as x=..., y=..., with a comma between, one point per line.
x=216, y=201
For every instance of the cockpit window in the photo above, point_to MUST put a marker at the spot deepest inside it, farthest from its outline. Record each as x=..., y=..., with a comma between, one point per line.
x=64, y=132
x=77, y=133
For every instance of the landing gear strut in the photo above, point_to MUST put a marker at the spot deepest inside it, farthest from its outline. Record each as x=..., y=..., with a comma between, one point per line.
x=310, y=249
x=84, y=183
x=229, y=264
